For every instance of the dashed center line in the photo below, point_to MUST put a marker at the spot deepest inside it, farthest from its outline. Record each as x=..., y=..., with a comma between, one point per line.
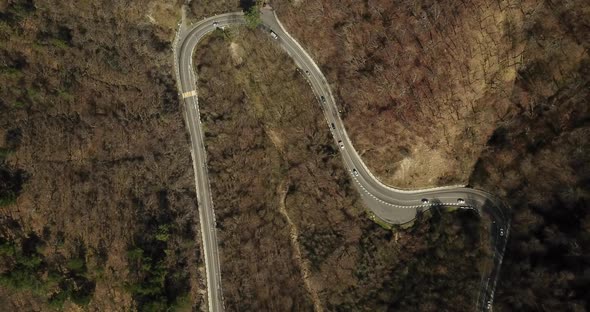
x=407, y=207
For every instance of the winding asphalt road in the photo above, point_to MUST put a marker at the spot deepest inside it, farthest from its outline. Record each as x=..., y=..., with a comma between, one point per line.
x=395, y=206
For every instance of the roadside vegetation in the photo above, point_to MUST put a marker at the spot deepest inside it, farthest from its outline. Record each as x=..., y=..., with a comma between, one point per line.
x=97, y=202
x=293, y=233
x=157, y=261
x=490, y=93
x=433, y=80
x=247, y=173
x=198, y=10
x=252, y=16
x=94, y=154
x=539, y=162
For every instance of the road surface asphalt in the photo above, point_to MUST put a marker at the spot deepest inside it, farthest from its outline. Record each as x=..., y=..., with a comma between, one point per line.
x=395, y=206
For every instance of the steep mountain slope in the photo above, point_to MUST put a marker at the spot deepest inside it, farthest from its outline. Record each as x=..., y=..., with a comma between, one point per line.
x=490, y=93
x=97, y=187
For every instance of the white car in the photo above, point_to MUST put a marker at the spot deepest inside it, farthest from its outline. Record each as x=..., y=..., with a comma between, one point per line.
x=215, y=24
x=501, y=231
x=425, y=201
x=341, y=144
x=460, y=201
x=355, y=173
x=274, y=35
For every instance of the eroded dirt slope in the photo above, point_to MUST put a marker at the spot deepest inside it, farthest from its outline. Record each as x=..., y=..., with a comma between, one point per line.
x=422, y=83
x=494, y=93
x=293, y=233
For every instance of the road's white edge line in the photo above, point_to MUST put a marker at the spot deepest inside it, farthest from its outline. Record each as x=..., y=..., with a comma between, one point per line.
x=194, y=160
x=397, y=189
x=195, y=166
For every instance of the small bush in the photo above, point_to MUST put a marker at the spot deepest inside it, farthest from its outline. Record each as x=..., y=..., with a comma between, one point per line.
x=156, y=287
x=253, y=17
x=76, y=265
x=7, y=199
x=29, y=271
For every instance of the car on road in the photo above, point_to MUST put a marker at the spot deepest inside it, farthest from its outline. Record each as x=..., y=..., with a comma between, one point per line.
x=274, y=35
x=333, y=126
x=215, y=24
x=460, y=201
x=501, y=231
x=185, y=49
x=307, y=72
x=355, y=173
x=323, y=99
x=425, y=200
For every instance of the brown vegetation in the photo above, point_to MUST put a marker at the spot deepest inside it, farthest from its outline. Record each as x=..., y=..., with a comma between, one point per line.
x=539, y=162
x=94, y=153
x=286, y=250
x=200, y=9
x=496, y=86
x=431, y=78
x=96, y=190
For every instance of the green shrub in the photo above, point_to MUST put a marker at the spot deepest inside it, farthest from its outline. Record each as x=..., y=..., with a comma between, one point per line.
x=135, y=254
x=18, y=11
x=11, y=73
x=163, y=233
x=59, y=43
x=76, y=265
x=29, y=271
x=34, y=95
x=66, y=96
x=182, y=303
x=7, y=199
x=5, y=29
x=7, y=250
x=253, y=17
x=4, y=152
x=156, y=287
x=57, y=301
